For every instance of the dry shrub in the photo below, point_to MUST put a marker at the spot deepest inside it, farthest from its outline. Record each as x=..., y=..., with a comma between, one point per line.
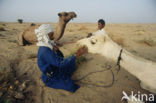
x=119, y=41
x=5, y=73
x=33, y=55
x=2, y=35
x=70, y=30
x=147, y=41
x=2, y=28
x=83, y=27
x=87, y=32
x=4, y=24
x=81, y=59
x=32, y=24
x=140, y=32
x=13, y=41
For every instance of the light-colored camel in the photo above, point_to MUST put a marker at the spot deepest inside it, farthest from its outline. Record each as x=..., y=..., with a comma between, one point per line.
x=144, y=70
x=29, y=37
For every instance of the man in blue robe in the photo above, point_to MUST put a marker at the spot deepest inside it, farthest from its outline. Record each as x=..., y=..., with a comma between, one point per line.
x=56, y=71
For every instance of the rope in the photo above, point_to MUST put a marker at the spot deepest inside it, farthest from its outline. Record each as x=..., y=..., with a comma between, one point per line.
x=96, y=85
x=119, y=59
x=105, y=86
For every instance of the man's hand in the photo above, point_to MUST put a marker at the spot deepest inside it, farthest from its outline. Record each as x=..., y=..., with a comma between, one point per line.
x=64, y=43
x=59, y=44
x=89, y=35
x=81, y=51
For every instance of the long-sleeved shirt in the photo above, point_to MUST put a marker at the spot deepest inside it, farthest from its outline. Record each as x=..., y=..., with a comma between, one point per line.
x=100, y=32
x=61, y=69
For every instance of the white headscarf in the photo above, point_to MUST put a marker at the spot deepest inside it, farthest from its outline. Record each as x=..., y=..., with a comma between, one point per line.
x=42, y=36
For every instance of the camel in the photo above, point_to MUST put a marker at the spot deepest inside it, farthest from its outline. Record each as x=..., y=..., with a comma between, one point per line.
x=142, y=69
x=29, y=37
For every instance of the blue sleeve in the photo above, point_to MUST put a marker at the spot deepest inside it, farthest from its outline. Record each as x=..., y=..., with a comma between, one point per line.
x=59, y=62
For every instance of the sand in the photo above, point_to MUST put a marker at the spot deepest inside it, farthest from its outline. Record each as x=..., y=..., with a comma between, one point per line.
x=139, y=39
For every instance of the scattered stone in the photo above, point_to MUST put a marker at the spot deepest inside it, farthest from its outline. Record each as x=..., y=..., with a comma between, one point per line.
x=22, y=87
x=19, y=95
x=11, y=87
x=16, y=82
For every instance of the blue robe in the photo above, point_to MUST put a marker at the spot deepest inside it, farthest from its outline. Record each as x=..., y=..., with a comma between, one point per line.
x=56, y=71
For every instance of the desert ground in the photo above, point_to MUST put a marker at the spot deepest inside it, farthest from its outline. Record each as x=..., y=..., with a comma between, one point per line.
x=20, y=77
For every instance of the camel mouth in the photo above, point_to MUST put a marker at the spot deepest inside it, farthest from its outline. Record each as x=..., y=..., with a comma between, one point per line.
x=75, y=16
x=72, y=17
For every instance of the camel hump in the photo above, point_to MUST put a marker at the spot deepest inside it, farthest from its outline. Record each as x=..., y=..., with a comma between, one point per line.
x=28, y=36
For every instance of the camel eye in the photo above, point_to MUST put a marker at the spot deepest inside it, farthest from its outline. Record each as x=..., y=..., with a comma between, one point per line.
x=66, y=14
x=59, y=14
x=93, y=41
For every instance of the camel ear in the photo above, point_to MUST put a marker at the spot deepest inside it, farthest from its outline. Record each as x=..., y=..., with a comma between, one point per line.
x=59, y=14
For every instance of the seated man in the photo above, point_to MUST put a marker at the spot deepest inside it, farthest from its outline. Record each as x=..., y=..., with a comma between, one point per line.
x=101, y=31
x=56, y=71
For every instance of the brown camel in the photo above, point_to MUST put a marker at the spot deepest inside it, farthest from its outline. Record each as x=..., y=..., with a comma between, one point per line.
x=29, y=37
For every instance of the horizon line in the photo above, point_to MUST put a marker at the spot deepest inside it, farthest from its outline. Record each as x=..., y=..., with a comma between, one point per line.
x=86, y=22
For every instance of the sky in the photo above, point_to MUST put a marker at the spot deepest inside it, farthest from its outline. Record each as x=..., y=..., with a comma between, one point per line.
x=112, y=11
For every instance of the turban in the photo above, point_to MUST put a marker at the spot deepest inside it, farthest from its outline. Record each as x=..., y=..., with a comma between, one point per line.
x=43, y=37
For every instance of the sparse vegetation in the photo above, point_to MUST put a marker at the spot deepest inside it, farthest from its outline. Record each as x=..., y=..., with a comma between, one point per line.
x=148, y=41
x=4, y=24
x=13, y=41
x=81, y=59
x=1, y=35
x=70, y=30
x=140, y=32
x=2, y=28
x=33, y=55
x=119, y=41
x=32, y=24
x=83, y=27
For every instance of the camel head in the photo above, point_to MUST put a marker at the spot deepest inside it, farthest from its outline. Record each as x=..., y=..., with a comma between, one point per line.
x=66, y=16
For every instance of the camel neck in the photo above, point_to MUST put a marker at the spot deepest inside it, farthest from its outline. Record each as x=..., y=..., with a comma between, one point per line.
x=60, y=29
